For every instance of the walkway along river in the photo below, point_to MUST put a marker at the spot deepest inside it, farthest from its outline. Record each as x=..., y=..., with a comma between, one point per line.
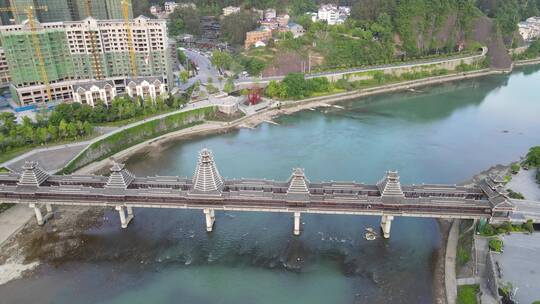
x=443, y=134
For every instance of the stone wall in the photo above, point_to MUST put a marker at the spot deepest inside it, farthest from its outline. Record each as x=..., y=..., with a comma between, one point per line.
x=491, y=276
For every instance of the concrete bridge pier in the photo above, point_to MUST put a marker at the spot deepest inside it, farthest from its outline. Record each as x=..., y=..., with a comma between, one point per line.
x=386, y=223
x=296, y=223
x=125, y=219
x=210, y=219
x=42, y=219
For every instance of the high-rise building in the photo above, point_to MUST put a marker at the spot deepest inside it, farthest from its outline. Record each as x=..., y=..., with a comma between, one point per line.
x=75, y=56
x=65, y=10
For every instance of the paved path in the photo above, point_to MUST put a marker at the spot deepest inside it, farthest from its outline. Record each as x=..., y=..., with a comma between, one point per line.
x=450, y=263
x=525, y=182
x=481, y=252
x=13, y=219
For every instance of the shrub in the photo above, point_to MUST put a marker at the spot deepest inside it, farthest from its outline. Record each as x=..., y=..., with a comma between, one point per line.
x=528, y=226
x=496, y=245
x=515, y=195
x=515, y=168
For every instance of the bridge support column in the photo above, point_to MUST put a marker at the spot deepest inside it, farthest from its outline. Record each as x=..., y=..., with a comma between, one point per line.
x=124, y=220
x=386, y=223
x=210, y=219
x=42, y=219
x=296, y=223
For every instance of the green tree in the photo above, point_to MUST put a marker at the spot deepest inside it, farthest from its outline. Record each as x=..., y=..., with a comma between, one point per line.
x=184, y=76
x=296, y=86
x=185, y=20
x=533, y=157
x=235, y=26
x=222, y=60
x=229, y=85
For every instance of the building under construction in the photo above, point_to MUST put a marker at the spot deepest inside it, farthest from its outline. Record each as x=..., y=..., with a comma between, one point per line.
x=62, y=10
x=85, y=60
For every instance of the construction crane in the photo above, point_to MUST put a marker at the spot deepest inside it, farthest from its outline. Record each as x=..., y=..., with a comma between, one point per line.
x=29, y=11
x=133, y=61
x=93, y=48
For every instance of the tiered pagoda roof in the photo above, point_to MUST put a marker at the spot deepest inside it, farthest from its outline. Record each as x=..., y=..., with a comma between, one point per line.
x=120, y=177
x=32, y=175
x=298, y=185
x=390, y=186
x=207, y=179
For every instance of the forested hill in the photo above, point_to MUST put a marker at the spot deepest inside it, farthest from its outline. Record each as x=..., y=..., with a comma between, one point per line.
x=419, y=27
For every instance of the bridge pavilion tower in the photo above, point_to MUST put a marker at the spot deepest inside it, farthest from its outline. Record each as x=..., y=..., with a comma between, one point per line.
x=207, y=181
x=298, y=190
x=391, y=192
x=33, y=176
x=121, y=178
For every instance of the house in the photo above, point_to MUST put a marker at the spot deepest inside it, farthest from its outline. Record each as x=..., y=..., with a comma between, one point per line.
x=230, y=10
x=155, y=9
x=333, y=14
x=296, y=29
x=256, y=36
x=530, y=29
x=170, y=6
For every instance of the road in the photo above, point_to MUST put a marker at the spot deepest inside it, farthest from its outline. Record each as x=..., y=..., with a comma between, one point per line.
x=526, y=210
x=206, y=70
x=360, y=70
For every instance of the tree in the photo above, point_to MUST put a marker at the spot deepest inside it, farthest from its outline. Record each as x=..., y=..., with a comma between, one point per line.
x=273, y=89
x=185, y=20
x=253, y=66
x=63, y=129
x=533, y=157
x=235, y=26
x=296, y=86
x=181, y=56
x=229, y=86
x=184, y=76
x=222, y=60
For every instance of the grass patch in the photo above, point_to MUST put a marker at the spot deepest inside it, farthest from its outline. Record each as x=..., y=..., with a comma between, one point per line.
x=467, y=294
x=496, y=245
x=4, y=170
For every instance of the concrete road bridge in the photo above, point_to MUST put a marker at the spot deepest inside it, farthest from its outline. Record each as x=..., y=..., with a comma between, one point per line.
x=208, y=191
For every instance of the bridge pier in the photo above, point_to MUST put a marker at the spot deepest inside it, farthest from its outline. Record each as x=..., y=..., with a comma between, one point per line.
x=386, y=223
x=210, y=219
x=125, y=220
x=42, y=219
x=296, y=223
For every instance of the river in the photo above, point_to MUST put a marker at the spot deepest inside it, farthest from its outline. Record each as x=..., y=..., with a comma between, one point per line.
x=439, y=134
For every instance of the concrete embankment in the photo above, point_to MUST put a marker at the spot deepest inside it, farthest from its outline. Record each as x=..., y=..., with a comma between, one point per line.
x=527, y=62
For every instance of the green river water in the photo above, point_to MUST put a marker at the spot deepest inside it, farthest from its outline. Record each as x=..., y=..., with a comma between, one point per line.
x=441, y=134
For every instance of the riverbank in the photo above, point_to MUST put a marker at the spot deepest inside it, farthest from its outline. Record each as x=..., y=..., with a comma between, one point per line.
x=284, y=108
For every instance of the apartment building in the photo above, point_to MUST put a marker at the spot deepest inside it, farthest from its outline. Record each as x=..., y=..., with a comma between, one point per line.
x=75, y=53
x=67, y=10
